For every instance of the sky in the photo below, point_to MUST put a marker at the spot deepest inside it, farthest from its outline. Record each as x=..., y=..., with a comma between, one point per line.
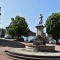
x=30, y=9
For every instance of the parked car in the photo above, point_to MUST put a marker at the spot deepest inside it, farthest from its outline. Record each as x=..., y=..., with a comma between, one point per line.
x=59, y=41
x=32, y=40
x=21, y=39
x=7, y=36
x=52, y=41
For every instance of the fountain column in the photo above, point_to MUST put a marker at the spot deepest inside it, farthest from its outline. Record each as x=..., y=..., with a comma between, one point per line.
x=40, y=27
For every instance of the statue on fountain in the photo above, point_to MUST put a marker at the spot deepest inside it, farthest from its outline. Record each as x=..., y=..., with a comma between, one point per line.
x=40, y=19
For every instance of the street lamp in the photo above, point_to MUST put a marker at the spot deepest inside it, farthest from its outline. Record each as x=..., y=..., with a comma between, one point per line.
x=0, y=13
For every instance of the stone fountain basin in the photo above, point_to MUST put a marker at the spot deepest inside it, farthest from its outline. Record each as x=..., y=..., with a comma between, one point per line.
x=42, y=48
x=29, y=52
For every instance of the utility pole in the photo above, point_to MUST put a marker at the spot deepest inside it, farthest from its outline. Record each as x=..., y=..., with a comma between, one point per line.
x=0, y=13
x=0, y=19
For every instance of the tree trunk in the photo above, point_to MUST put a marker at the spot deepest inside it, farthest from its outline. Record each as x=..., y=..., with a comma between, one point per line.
x=57, y=41
x=18, y=38
x=26, y=38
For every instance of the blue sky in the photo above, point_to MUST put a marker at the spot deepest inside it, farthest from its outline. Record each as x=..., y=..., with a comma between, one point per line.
x=30, y=9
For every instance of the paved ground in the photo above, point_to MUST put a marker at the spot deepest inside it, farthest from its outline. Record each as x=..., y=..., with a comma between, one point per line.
x=8, y=44
x=3, y=56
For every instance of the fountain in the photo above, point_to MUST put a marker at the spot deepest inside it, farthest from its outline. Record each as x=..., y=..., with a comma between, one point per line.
x=38, y=49
x=39, y=43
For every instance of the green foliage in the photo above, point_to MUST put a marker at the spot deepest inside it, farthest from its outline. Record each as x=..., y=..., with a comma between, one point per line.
x=53, y=25
x=18, y=27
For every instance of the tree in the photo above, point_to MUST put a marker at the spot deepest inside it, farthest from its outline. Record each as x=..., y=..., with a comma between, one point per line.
x=18, y=27
x=2, y=32
x=53, y=26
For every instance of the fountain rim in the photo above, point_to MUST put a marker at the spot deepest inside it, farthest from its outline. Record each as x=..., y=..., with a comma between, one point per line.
x=40, y=54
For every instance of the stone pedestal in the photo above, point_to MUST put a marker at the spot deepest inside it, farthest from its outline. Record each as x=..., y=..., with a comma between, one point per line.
x=39, y=30
x=44, y=48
